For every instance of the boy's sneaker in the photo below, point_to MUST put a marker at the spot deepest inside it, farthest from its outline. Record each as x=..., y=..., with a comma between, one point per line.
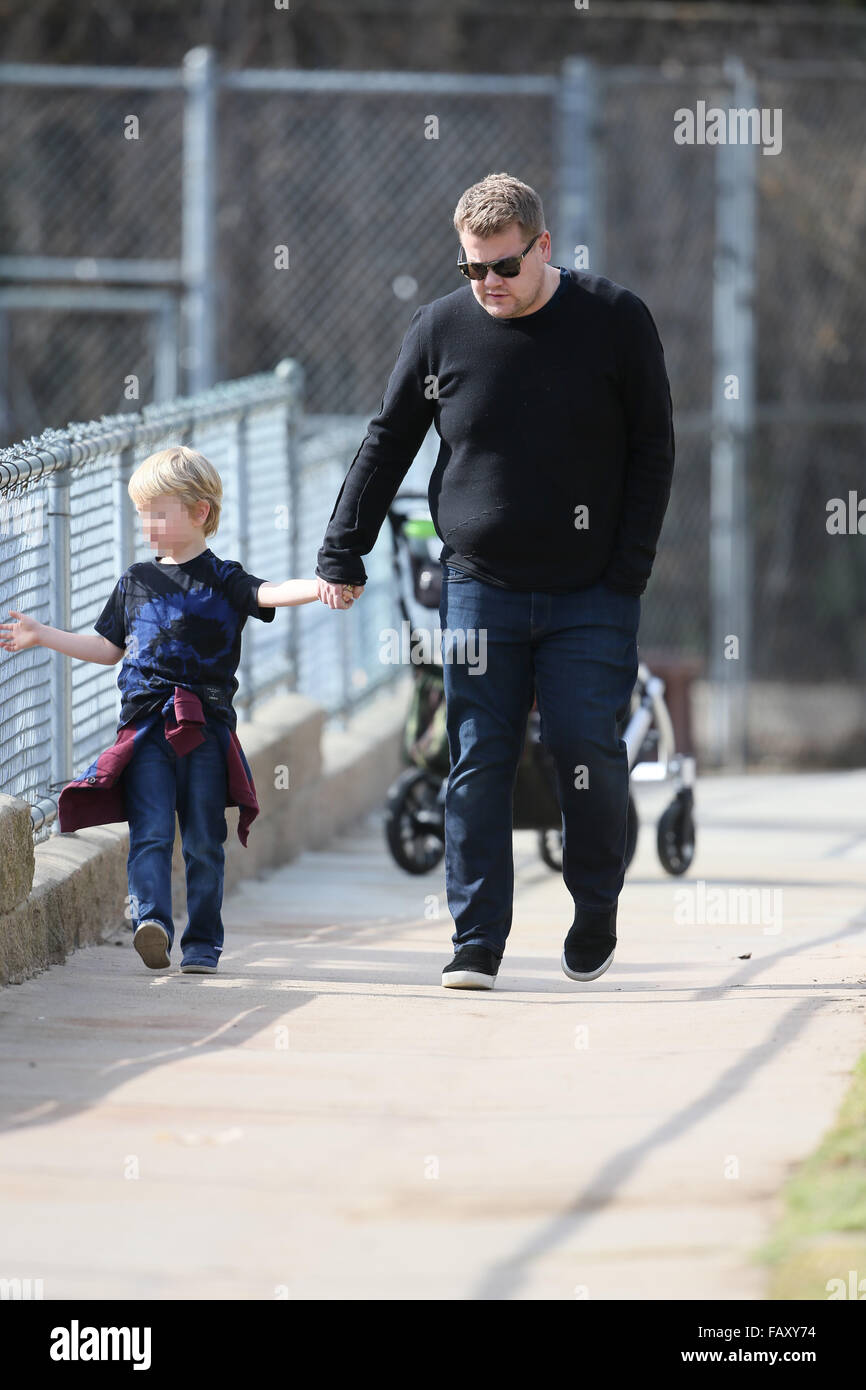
x=152, y=944
x=198, y=967
x=590, y=945
x=473, y=967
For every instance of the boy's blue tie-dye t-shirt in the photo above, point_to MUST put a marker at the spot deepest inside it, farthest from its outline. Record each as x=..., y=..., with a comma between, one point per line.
x=180, y=625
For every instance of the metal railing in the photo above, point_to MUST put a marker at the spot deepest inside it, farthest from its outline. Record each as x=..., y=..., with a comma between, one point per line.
x=68, y=530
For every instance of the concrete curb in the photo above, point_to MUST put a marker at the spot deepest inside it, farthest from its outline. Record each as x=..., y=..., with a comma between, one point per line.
x=312, y=782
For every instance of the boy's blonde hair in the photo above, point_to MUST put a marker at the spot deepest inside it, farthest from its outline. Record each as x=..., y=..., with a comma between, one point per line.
x=493, y=204
x=179, y=472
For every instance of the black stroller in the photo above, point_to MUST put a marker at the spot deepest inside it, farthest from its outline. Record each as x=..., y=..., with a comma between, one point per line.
x=415, y=806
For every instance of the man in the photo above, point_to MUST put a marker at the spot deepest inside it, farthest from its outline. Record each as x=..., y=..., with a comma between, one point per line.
x=549, y=392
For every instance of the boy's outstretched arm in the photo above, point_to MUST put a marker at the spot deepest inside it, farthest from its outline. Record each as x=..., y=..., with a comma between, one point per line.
x=26, y=632
x=294, y=591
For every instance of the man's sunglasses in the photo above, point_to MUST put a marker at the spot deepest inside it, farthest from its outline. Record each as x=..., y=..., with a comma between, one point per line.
x=508, y=267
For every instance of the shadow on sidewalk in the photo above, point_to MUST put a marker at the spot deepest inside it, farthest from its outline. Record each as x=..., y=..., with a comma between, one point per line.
x=505, y=1278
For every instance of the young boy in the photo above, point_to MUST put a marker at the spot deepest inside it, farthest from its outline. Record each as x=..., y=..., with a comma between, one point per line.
x=176, y=621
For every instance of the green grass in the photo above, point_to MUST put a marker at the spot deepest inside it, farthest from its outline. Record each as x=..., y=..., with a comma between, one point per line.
x=821, y=1234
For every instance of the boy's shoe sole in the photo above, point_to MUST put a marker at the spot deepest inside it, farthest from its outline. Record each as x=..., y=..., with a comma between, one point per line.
x=473, y=967
x=195, y=967
x=152, y=944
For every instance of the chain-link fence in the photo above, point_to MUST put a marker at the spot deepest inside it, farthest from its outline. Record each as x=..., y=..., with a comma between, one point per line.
x=808, y=431
x=306, y=214
x=809, y=444
x=69, y=530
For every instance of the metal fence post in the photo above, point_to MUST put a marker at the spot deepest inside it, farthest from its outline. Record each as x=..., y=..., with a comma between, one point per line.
x=124, y=547
x=5, y=377
x=292, y=373
x=59, y=587
x=245, y=695
x=579, y=210
x=346, y=651
x=164, y=337
x=732, y=420
x=199, y=217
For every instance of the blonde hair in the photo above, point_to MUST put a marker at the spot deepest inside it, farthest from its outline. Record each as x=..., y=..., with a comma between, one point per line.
x=179, y=472
x=493, y=204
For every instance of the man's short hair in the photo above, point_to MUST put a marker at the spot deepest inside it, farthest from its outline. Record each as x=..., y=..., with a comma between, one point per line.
x=493, y=204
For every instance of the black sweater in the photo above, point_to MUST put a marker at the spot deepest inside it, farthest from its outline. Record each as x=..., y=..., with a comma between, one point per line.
x=540, y=417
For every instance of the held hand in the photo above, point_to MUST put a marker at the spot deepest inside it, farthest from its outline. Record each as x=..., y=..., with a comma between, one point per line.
x=339, y=595
x=18, y=636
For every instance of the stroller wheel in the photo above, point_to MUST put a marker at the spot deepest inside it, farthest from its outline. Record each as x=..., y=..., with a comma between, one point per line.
x=550, y=848
x=550, y=841
x=415, y=821
x=676, y=834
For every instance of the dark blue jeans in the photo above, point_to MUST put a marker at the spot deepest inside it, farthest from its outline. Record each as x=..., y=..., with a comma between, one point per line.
x=577, y=653
x=158, y=783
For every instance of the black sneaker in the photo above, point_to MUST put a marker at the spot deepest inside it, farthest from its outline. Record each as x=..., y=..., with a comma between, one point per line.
x=590, y=945
x=473, y=967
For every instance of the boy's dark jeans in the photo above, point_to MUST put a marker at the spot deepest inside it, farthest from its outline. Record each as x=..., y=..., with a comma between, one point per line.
x=157, y=782
x=577, y=653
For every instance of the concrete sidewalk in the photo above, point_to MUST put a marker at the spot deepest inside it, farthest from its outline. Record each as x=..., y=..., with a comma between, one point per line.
x=323, y=1120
